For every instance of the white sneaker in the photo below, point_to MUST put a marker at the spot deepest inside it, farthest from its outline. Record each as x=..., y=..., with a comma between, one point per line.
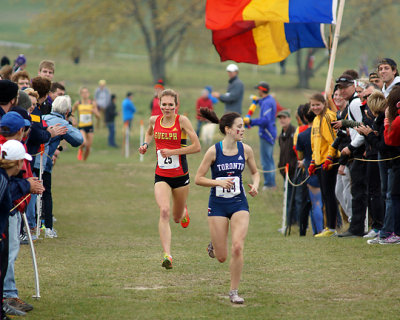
x=50, y=233
x=374, y=240
x=55, y=233
x=372, y=233
x=233, y=295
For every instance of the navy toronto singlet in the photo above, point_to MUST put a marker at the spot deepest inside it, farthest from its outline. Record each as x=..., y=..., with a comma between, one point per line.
x=228, y=167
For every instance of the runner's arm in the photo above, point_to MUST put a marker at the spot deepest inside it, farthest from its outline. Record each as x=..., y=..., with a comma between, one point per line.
x=95, y=110
x=148, y=136
x=205, y=164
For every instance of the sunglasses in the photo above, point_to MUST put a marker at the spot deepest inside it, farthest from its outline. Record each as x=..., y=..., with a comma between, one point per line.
x=344, y=80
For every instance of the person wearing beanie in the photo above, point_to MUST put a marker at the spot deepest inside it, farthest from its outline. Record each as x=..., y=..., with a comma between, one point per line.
x=19, y=63
x=8, y=96
x=4, y=61
x=155, y=102
x=267, y=132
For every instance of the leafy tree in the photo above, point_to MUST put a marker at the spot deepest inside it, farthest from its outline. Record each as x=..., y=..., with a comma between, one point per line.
x=76, y=25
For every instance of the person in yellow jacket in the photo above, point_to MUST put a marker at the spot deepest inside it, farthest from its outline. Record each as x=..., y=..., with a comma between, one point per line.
x=324, y=157
x=86, y=109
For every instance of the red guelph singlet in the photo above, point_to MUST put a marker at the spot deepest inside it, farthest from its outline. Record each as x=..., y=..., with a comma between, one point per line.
x=170, y=138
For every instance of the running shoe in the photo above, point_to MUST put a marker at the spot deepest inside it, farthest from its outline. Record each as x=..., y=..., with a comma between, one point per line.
x=19, y=304
x=210, y=250
x=375, y=240
x=233, y=296
x=326, y=233
x=185, y=220
x=372, y=233
x=167, y=261
x=393, y=239
x=79, y=156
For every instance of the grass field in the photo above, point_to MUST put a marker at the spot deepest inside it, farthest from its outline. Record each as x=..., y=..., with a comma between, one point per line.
x=106, y=263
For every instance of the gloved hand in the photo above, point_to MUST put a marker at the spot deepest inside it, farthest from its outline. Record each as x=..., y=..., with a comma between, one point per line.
x=328, y=163
x=311, y=168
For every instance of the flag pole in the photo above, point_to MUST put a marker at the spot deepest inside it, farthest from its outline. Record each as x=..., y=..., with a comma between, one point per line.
x=334, y=47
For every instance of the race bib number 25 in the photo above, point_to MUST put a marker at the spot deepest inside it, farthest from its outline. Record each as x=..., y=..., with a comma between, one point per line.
x=171, y=162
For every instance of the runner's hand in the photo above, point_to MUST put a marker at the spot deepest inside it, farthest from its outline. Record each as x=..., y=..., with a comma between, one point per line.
x=226, y=184
x=143, y=149
x=165, y=153
x=253, y=190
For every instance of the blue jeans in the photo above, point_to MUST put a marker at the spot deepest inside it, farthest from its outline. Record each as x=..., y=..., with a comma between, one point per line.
x=10, y=290
x=267, y=162
x=317, y=216
x=111, y=134
x=31, y=211
x=386, y=175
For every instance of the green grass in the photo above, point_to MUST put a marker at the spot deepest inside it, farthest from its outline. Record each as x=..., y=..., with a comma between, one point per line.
x=106, y=263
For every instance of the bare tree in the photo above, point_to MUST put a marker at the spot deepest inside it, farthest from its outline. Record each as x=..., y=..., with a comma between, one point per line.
x=84, y=24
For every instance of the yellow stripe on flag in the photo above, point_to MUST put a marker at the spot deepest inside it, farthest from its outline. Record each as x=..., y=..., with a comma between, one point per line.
x=271, y=10
x=270, y=40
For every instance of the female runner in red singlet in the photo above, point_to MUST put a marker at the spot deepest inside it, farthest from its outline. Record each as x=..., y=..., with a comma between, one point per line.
x=172, y=175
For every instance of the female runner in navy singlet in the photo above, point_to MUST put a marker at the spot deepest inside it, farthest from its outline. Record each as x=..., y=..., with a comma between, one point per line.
x=228, y=203
x=170, y=131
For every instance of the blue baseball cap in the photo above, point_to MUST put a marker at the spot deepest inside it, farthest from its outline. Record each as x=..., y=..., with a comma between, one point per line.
x=13, y=121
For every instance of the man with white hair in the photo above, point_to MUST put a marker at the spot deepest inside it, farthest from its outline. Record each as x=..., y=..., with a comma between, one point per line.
x=60, y=112
x=233, y=98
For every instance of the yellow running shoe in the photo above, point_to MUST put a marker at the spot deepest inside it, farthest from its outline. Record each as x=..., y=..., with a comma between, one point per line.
x=167, y=261
x=326, y=233
x=185, y=220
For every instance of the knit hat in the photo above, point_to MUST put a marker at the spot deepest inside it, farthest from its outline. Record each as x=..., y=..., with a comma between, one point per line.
x=8, y=90
x=21, y=60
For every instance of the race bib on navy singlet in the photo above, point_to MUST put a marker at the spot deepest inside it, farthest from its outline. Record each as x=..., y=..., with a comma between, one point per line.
x=228, y=193
x=171, y=162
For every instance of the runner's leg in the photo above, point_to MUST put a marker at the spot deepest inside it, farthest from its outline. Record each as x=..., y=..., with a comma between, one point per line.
x=162, y=192
x=239, y=226
x=219, y=228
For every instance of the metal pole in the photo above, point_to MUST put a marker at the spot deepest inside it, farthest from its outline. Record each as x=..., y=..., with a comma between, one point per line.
x=284, y=209
x=141, y=138
x=33, y=254
x=127, y=140
x=39, y=199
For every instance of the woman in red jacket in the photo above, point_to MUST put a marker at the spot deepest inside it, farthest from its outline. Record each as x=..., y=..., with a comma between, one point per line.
x=392, y=138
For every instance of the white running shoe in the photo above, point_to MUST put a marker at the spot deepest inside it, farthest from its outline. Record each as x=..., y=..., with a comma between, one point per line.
x=233, y=295
x=50, y=233
x=374, y=240
x=372, y=233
